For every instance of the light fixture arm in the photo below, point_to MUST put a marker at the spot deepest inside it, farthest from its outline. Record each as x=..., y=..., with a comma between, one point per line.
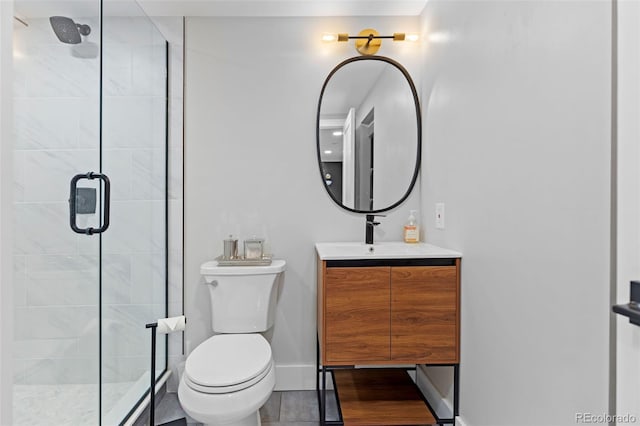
x=371, y=37
x=368, y=41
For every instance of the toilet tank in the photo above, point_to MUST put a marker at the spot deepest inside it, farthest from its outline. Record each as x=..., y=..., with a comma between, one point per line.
x=243, y=298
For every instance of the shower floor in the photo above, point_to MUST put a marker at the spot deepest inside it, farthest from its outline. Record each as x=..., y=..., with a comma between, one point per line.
x=65, y=405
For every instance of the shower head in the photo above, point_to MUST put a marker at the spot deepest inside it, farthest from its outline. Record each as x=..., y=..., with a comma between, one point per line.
x=68, y=31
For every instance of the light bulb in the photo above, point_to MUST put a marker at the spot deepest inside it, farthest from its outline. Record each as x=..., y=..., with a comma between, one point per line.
x=412, y=37
x=328, y=38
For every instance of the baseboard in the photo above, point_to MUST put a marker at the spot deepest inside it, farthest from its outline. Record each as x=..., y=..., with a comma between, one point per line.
x=295, y=377
x=460, y=422
x=441, y=405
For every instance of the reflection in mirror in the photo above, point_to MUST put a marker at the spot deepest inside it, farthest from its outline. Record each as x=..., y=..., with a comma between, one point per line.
x=368, y=134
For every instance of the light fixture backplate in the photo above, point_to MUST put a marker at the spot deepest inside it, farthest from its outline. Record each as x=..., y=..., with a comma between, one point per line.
x=366, y=46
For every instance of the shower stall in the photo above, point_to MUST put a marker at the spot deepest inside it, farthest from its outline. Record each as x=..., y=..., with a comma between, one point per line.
x=90, y=206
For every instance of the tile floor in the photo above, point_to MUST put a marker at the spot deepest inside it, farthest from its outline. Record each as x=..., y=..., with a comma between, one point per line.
x=293, y=408
x=63, y=405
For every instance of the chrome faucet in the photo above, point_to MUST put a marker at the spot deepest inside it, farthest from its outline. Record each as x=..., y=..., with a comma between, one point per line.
x=368, y=235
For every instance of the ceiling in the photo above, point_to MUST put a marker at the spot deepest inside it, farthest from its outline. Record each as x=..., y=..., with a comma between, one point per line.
x=267, y=8
x=29, y=9
x=283, y=7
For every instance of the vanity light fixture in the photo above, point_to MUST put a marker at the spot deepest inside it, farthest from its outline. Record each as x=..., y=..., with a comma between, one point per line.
x=368, y=41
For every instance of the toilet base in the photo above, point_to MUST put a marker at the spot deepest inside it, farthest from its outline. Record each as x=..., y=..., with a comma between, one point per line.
x=251, y=420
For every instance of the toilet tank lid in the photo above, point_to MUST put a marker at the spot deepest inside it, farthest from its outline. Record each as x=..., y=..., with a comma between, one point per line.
x=212, y=268
x=228, y=359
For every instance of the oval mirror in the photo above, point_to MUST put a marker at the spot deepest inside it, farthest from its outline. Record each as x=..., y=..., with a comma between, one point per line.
x=369, y=134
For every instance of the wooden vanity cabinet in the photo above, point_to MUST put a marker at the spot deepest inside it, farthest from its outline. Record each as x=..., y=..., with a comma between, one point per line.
x=390, y=314
x=386, y=313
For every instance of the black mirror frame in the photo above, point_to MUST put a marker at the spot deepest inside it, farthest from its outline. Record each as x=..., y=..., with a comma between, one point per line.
x=418, y=125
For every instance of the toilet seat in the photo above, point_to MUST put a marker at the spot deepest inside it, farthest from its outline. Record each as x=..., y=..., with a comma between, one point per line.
x=228, y=363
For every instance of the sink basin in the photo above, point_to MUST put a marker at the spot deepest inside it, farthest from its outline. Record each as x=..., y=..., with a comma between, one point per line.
x=382, y=250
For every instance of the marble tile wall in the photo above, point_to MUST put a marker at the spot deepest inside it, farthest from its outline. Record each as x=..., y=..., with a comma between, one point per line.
x=57, y=125
x=56, y=100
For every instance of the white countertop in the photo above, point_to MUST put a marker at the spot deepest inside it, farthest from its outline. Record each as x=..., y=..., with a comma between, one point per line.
x=382, y=250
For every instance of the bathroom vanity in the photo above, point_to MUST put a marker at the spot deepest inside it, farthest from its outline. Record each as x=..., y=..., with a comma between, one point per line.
x=390, y=305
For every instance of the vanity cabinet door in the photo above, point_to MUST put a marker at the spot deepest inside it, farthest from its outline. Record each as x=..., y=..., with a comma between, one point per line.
x=424, y=314
x=357, y=317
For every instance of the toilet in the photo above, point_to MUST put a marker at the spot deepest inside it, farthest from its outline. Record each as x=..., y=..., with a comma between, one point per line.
x=229, y=376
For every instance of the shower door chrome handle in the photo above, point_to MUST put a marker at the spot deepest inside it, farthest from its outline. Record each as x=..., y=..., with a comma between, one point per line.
x=73, y=203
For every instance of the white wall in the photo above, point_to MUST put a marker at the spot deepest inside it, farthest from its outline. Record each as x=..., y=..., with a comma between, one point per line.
x=6, y=211
x=252, y=86
x=628, y=208
x=517, y=106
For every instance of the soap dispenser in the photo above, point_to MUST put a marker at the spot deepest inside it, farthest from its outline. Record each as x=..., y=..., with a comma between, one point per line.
x=411, y=228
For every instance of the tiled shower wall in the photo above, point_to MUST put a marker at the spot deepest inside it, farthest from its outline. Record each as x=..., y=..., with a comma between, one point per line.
x=56, y=104
x=56, y=271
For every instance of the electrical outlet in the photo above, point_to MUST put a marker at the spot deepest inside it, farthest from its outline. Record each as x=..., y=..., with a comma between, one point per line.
x=440, y=215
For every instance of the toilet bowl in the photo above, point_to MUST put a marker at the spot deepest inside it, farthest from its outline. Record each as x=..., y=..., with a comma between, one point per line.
x=229, y=376
x=227, y=379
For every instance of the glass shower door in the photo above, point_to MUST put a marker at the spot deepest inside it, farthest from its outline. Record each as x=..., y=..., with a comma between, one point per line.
x=134, y=250
x=89, y=96
x=56, y=271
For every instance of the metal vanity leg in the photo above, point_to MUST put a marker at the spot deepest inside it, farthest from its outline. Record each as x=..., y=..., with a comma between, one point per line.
x=456, y=391
x=323, y=397
x=318, y=371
